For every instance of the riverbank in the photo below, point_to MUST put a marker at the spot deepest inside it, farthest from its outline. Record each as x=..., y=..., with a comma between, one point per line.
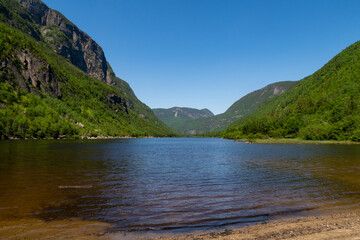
x=295, y=141
x=333, y=224
x=77, y=138
x=329, y=225
x=32, y=228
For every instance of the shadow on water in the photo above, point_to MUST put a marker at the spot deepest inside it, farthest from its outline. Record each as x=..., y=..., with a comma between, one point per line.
x=173, y=184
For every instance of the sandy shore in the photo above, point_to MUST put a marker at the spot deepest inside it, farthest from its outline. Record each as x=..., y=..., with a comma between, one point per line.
x=334, y=224
x=297, y=141
x=330, y=225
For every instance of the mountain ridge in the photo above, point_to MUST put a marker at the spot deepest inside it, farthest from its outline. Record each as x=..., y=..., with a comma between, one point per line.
x=322, y=106
x=242, y=107
x=179, y=117
x=43, y=94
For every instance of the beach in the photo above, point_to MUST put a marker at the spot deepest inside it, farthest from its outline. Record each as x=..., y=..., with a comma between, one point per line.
x=332, y=224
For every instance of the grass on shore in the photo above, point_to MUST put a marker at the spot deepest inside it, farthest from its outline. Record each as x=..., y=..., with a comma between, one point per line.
x=294, y=141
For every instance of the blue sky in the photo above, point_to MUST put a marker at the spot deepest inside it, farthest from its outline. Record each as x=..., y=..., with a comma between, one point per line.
x=210, y=53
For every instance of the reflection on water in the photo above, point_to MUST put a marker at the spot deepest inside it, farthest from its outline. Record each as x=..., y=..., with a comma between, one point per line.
x=143, y=184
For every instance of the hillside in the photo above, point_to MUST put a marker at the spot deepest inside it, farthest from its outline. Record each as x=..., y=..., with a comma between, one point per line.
x=248, y=104
x=243, y=107
x=179, y=118
x=55, y=81
x=322, y=106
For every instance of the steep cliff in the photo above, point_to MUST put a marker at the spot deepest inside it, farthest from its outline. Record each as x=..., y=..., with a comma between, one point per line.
x=30, y=73
x=55, y=81
x=68, y=40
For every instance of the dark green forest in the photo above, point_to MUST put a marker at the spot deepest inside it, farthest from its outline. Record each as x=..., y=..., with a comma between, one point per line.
x=323, y=106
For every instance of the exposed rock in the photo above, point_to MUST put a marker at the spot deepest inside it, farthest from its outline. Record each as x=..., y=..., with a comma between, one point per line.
x=80, y=124
x=69, y=41
x=117, y=102
x=192, y=132
x=31, y=74
x=278, y=90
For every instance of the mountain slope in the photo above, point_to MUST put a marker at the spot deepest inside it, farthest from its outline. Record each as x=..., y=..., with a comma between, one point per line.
x=243, y=107
x=248, y=104
x=179, y=118
x=323, y=106
x=42, y=94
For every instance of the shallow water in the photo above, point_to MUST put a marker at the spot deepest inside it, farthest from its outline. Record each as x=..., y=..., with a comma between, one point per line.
x=177, y=184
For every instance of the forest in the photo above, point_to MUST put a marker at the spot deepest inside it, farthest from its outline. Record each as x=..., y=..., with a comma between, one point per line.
x=322, y=106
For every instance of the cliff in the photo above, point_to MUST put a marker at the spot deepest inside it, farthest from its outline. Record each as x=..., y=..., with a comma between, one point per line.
x=68, y=40
x=55, y=81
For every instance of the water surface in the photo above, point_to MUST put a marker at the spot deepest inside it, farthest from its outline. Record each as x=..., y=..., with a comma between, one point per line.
x=177, y=184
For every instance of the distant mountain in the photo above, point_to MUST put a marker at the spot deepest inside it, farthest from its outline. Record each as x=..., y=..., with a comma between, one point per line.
x=247, y=105
x=243, y=107
x=55, y=81
x=178, y=118
x=322, y=106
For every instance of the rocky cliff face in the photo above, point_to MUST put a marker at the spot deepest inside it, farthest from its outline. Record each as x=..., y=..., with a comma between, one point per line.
x=34, y=41
x=30, y=73
x=68, y=40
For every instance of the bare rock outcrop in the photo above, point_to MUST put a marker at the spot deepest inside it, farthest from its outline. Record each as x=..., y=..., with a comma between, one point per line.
x=68, y=40
x=30, y=73
x=117, y=102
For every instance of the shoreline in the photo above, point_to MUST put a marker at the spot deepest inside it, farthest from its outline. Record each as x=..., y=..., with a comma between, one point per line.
x=327, y=224
x=247, y=141
x=80, y=138
x=295, y=141
x=323, y=224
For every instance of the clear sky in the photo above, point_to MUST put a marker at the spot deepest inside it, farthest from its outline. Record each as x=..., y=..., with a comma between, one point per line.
x=210, y=53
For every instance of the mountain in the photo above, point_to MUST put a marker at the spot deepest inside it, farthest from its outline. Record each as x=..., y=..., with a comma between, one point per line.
x=247, y=105
x=322, y=106
x=207, y=123
x=179, y=118
x=55, y=81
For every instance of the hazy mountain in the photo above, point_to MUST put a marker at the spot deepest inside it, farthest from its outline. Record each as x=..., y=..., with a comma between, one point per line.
x=179, y=118
x=175, y=118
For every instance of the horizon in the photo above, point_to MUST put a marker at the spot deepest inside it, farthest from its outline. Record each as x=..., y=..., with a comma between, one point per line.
x=178, y=53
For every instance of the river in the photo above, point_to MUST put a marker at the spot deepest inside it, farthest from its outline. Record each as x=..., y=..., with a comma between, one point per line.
x=173, y=184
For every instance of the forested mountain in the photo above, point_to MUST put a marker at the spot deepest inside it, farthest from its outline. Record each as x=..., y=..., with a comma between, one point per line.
x=243, y=107
x=180, y=119
x=55, y=81
x=322, y=106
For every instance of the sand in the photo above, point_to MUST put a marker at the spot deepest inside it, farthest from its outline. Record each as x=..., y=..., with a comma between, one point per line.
x=331, y=224
x=32, y=228
x=335, y=225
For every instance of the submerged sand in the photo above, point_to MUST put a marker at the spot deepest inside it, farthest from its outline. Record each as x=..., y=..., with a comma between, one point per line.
x=328, y=225
x=39, y=229
x=333, y=224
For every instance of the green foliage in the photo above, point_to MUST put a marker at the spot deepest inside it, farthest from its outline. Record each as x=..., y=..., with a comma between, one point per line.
x=55, y=34
x=243, y=107
x=323, y=106
x=217, y=134
x=28, y=116
x=83, y=109
x=12, y=13
x=183, y=119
